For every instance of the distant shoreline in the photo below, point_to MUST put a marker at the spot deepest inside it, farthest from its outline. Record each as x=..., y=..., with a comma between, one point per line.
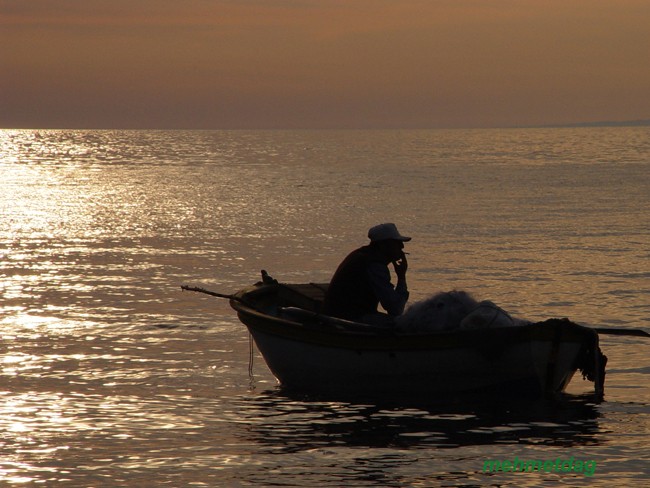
x=604, y=123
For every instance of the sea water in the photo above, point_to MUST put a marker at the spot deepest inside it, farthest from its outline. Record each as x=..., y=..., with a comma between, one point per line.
x=110, y=375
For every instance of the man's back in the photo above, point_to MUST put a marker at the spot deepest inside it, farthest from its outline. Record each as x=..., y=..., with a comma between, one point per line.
x=350, y=294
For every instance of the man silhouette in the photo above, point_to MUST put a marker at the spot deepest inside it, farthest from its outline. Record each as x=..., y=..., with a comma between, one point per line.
x=362, y=281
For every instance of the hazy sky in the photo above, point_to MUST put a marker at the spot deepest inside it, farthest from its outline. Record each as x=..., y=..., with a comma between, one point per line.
x=322, y=63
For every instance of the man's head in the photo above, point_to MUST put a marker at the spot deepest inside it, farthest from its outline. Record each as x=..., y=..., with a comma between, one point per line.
x=388, y=240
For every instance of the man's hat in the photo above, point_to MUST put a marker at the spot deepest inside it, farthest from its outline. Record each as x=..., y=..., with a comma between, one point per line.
x=384, y=232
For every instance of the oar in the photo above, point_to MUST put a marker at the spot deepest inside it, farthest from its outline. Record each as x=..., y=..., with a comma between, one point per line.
x=624, y=332
x=600, y=330
x=219, y=295
x=208, y=292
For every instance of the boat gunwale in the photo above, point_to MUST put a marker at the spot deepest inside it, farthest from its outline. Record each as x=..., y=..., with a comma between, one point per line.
x=328, y=331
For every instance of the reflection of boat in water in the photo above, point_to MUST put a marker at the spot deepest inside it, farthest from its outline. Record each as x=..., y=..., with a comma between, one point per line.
x=310, y=352
x=280, y=418
x=345, y=443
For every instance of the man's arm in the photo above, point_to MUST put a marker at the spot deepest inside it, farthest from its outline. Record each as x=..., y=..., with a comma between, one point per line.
x=392, y=298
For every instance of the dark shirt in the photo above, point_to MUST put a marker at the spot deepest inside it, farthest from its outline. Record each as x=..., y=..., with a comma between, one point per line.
x=360, y=284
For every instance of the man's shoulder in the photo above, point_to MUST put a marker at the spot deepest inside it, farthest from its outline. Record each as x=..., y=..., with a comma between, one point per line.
x=365, y=255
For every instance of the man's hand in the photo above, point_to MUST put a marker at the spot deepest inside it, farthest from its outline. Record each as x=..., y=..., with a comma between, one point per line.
x=401, y=265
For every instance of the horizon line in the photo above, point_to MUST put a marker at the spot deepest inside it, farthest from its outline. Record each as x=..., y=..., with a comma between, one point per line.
x=603, y=123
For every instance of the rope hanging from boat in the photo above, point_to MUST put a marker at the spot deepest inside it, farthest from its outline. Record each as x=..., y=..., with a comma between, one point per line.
x=251, y=357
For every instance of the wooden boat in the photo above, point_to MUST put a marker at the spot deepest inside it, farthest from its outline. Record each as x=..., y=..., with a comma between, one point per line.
x=313, y=353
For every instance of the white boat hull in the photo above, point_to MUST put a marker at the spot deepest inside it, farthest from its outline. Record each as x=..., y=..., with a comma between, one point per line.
x=312, y=353
x=312, y=367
